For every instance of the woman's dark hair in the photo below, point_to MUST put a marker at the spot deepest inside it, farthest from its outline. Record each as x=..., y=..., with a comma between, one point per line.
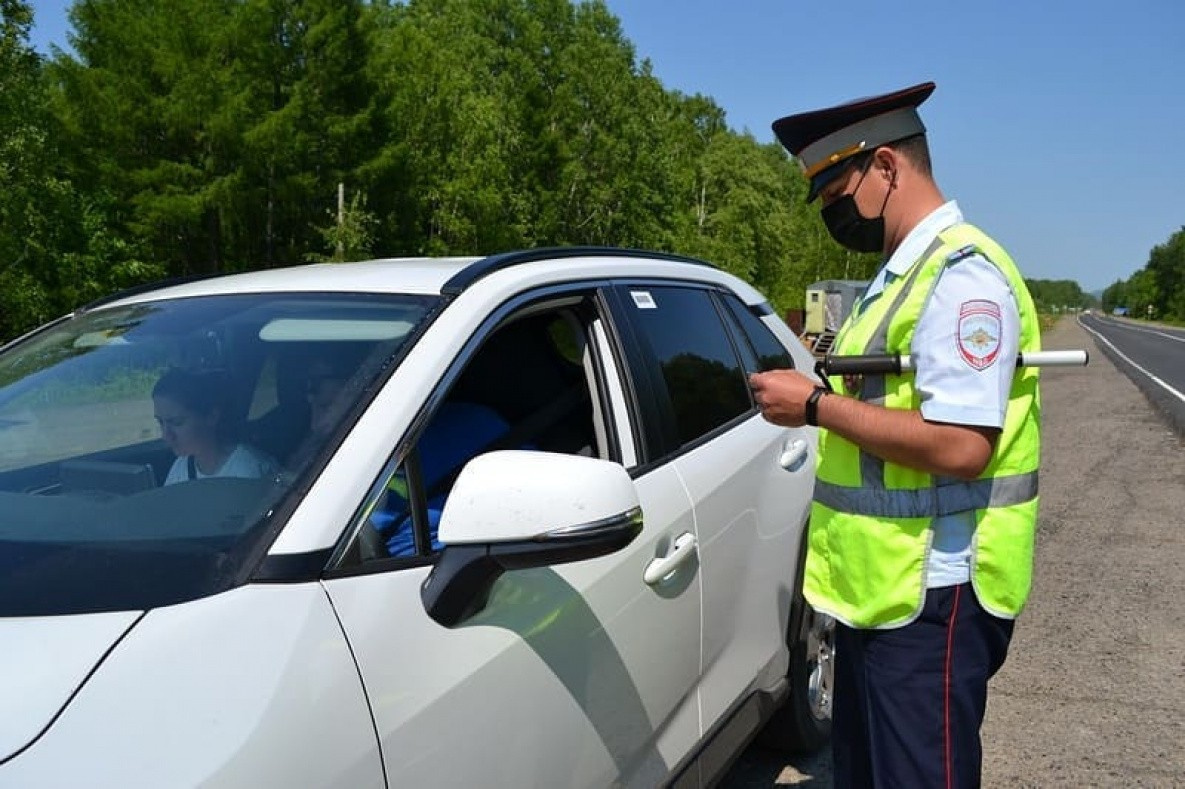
x=203, y=392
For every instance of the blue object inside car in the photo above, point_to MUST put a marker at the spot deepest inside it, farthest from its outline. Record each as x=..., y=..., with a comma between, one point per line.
x=457, y=433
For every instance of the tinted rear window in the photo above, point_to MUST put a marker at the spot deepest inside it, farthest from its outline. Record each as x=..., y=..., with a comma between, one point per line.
x=703, y=376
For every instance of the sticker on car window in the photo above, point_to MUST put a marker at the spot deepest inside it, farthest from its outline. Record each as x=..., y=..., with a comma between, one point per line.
x=643, y=300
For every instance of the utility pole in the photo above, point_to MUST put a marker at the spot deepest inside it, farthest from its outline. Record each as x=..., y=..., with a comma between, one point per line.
x=341, y=221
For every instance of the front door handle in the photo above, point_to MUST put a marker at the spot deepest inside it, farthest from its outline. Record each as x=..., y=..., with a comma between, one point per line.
x=794, y=452
x=664, y=566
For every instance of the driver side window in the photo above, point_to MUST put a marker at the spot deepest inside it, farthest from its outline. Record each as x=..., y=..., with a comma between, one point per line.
x=532, y=384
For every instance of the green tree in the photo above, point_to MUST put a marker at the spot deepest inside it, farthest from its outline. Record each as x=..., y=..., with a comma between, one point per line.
x=1114, y=295
x=55, y=251
x=1166, y=272
x=442, y=171
x=23, y=231
x=1058, y=295
x=191, y=136
x=1141, y=293
x=351, y=234
x=220, y=126
x=1158, y=289
x=142, y=101
x=510, y=123
x=299, y=75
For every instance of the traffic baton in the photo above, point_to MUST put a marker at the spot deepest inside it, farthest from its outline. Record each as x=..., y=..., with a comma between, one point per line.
x=893, y=364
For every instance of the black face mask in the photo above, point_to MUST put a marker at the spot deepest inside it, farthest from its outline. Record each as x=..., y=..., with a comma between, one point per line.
x=850, y=229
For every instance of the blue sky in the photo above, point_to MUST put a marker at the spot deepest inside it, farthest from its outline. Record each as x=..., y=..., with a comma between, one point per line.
x=1056, y=123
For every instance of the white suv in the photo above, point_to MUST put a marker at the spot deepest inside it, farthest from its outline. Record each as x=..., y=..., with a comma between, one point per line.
x=506, y=521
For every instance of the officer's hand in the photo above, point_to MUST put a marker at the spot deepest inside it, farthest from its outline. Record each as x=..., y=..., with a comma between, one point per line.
x=781, y=395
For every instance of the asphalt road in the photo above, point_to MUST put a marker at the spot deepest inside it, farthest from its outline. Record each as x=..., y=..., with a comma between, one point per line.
x=1152, y=356
x=1093, y=692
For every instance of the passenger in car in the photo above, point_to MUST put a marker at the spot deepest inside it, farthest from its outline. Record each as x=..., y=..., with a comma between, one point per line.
x=193, y=412
x=325, y=390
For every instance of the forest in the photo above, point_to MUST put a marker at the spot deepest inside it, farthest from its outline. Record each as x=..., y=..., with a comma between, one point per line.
x=187, y=137
x=1156, y=291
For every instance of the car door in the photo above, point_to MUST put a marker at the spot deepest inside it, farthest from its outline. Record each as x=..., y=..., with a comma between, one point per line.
x=749, y=508
x=575, y=675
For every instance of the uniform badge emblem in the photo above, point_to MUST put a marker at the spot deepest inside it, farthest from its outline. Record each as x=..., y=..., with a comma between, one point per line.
x=979, y=332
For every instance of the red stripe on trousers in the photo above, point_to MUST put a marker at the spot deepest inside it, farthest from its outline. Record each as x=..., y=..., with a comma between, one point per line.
x=950, y=638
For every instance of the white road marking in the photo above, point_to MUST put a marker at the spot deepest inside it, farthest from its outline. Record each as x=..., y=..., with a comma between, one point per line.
x=1125, y=325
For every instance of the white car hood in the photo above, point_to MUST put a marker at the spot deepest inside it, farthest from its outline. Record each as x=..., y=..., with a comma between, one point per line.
x=43, y=661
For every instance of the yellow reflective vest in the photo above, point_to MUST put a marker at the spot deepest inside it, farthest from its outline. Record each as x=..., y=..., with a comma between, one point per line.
x=870, y=529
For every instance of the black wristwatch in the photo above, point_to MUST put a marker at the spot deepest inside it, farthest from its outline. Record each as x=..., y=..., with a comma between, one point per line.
x=812, y=405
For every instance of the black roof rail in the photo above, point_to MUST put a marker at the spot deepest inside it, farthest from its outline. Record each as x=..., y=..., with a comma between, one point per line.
x=148, y=287
x=488, y=265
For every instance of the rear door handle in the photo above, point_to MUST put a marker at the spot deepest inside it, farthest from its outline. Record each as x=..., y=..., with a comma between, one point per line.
x=664, y=566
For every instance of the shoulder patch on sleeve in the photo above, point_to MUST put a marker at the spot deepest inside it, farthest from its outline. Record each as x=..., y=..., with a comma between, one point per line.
x=978, y=333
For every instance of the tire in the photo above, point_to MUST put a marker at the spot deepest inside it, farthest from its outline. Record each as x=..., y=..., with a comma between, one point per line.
x=803, y=723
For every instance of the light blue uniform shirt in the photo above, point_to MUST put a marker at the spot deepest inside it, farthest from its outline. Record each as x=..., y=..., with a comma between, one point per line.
x=963, y=374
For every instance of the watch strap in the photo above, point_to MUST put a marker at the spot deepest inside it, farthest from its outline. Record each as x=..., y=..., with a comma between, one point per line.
x=812, y=405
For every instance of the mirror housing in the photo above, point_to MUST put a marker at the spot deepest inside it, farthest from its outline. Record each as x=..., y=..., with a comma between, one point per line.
x=515, y=509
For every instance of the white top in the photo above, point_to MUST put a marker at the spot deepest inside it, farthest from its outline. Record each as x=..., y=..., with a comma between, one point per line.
x=243, y=461
x=964, y=353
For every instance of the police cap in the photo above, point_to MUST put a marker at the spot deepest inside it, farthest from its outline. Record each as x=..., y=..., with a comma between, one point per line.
x=822, y=140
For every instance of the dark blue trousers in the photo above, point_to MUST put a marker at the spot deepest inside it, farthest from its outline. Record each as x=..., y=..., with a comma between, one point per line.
x=909, y=702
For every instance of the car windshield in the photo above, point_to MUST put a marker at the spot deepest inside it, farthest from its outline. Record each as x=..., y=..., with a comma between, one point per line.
x=144, y=448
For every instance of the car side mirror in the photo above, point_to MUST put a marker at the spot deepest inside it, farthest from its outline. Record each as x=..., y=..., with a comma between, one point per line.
x=515, y=509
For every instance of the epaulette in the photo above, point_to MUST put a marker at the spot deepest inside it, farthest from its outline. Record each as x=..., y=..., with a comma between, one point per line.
x=961, y=253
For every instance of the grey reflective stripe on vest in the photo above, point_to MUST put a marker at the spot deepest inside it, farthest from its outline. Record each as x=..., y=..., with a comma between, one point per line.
x=872, y=388
x=947, y=499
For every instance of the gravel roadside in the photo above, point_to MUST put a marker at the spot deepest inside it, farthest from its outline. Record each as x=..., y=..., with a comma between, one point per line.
x=1093, y=692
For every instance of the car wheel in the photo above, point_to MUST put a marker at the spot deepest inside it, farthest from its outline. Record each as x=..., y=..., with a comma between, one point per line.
x=803, y=723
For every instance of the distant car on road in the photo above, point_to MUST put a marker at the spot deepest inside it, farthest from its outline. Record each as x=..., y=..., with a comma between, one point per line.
x=502, y=521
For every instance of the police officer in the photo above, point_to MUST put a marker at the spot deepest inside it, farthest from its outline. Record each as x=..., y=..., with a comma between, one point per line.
x=925, y=505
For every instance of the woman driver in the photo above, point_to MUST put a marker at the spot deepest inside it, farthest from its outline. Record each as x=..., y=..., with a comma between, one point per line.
x=191, y=409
